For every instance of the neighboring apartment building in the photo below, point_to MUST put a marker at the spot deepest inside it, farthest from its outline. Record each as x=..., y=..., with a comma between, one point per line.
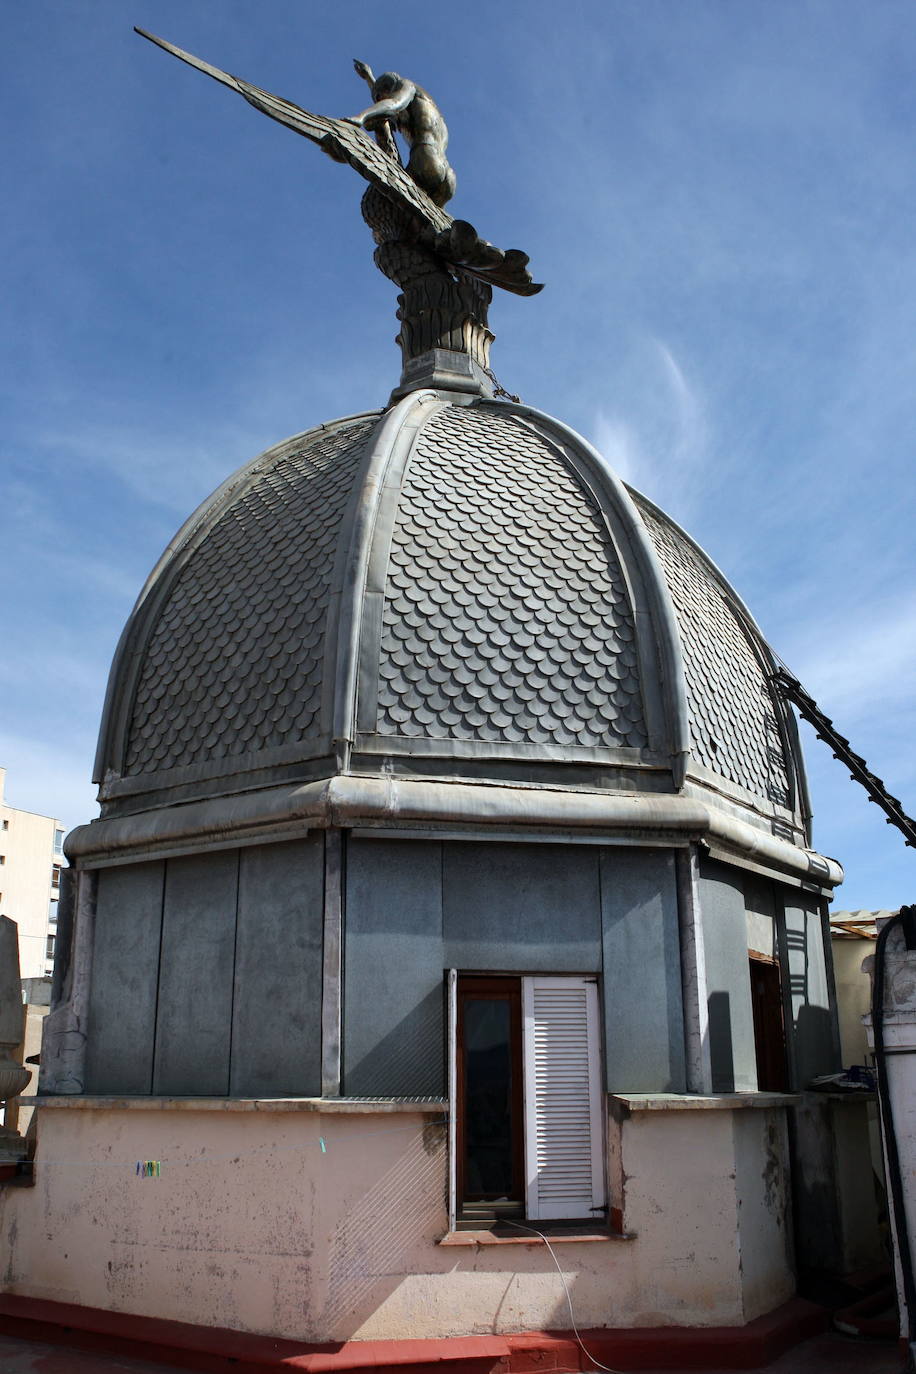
x=31, y=859
x=853, y=935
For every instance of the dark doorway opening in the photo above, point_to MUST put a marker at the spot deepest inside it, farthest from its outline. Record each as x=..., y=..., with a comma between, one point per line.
x=491, y=1169
x=769, y=1025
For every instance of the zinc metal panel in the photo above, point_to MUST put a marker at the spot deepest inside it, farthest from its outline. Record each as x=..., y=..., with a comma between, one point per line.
x=122, y=1006
x=195, y=975
x=394, y=991
x=813, y=1029
x=521, y=907
x=643, y=1003
x=276, y=1015
x=733, y=1053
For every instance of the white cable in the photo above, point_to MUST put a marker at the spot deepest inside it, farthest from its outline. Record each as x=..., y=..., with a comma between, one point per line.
x=587, y=1353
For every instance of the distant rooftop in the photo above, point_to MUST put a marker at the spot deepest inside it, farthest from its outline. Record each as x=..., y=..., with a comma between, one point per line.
x=857, y=924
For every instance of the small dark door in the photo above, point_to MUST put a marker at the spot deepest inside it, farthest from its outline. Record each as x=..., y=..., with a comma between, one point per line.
x=769, y=1027
x=490, y=1122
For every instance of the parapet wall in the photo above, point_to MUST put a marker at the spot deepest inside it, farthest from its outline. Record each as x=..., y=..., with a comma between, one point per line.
x=324, y=1222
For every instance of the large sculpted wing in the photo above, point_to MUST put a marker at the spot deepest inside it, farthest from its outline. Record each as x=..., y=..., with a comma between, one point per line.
x=346, y=142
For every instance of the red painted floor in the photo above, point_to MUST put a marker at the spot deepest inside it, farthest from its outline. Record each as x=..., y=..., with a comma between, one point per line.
x=827, y=1354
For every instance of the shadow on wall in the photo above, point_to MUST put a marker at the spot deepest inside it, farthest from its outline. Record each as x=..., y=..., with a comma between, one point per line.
x=811, y=1042
x=721, y=1049
x=388, y=1235
x=815, y=1051
x=408, y=1061
x=379, y=1239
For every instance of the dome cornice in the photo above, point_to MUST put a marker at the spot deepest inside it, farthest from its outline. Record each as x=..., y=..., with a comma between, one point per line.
x=445, y=808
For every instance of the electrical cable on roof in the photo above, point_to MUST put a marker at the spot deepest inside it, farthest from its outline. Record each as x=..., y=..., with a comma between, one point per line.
x=596, y=1364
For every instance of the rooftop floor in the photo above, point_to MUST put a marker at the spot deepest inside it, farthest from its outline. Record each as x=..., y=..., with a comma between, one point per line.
x=826, y=1354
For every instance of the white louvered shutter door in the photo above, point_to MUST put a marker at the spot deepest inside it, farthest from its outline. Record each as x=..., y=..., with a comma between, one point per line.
x=564, y=1136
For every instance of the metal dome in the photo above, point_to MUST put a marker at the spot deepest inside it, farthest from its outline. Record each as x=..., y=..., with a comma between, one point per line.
x=455, y=589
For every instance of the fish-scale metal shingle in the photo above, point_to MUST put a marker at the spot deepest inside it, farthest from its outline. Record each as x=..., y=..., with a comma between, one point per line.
x=733, y=724
x=506, y=616
x=234, y=665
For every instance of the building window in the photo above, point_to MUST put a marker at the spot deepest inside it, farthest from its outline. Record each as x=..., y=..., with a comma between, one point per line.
x=2, y=858
x=52, y=912
x=58, y=842
x=6, y=825
x=49, y=951
x=55, y=875
x=529, y=1138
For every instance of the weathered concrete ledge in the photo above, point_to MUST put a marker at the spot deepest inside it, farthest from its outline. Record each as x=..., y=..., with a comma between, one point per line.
x=685, y=1102
x=347, y=800
x=348, y=1106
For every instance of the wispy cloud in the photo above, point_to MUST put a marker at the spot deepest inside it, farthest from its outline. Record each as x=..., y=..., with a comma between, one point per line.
x=863, y=664
x=167, y=470
x=656, y=437
x=35, y=662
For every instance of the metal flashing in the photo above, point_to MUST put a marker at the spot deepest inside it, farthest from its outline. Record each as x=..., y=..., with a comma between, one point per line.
x=346, y=801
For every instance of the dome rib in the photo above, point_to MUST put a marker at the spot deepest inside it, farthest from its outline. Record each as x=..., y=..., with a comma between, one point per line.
x=357, y=584
x=658, y=636
x=740, y=728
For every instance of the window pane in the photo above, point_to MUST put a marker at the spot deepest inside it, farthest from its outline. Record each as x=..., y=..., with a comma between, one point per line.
x=488, y=1098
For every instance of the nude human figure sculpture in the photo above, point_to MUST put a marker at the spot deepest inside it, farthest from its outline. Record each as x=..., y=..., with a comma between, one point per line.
x=419, y=244
x=413, y=112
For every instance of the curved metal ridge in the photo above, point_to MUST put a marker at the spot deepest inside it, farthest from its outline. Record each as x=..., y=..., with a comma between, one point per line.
x=739, y=728
x=357, y=577
x=661, y=632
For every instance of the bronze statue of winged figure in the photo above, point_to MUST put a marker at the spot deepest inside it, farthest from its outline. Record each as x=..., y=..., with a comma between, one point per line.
x=415, y=194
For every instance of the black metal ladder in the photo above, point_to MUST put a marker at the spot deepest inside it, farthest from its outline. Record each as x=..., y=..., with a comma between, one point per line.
x=791, y=689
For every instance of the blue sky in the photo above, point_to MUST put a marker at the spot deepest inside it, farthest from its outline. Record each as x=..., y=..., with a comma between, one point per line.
x=719, y=194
